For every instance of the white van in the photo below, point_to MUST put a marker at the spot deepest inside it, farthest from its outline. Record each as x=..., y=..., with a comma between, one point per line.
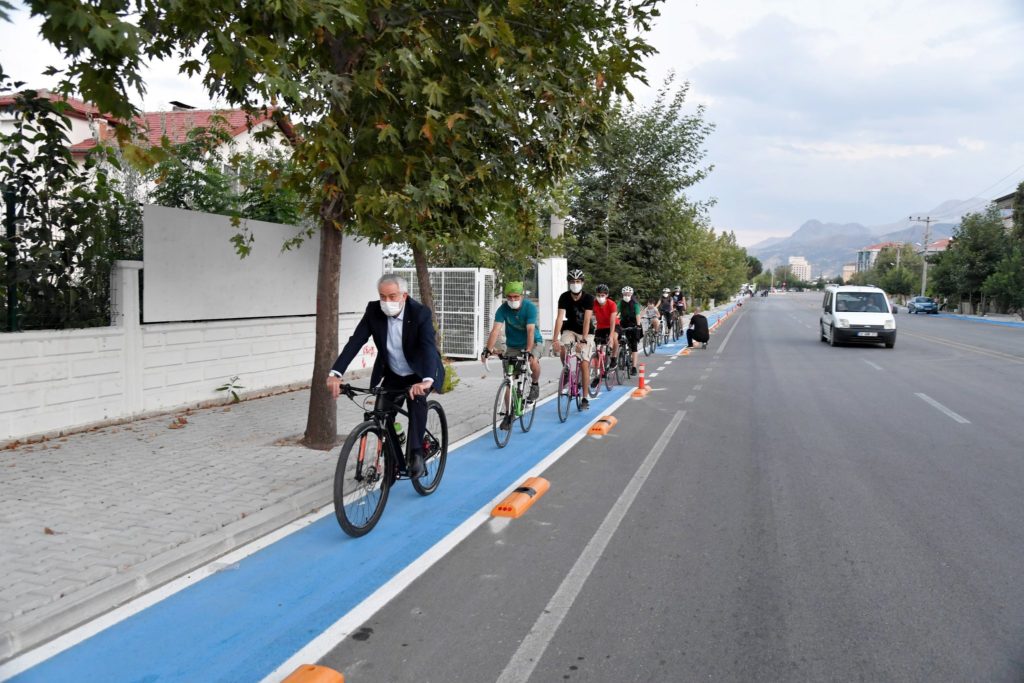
x=860, y=315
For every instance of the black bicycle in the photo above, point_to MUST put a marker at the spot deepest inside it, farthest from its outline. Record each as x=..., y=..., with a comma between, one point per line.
x=371, y=459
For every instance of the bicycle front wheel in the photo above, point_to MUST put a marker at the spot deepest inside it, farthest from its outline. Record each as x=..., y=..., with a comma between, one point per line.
x=609, y=371
x=622, y=366
x=361, y=479
x=564, y=391
x=435, y=449
x=526, y=417
x=648, y=342
x=501, y=418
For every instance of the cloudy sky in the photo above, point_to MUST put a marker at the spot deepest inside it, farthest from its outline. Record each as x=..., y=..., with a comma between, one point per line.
x=843, y=112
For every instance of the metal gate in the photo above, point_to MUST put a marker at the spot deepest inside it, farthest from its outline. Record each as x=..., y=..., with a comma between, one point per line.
x=464, y=304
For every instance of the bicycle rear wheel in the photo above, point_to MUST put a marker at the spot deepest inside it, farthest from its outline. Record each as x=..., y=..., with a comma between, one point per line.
x=564, y=389
x=361, y=479
x=648, y=342
x=596, y=369
x=526, y=417
x=501, y=418
x=609, y=371
x=435, y=449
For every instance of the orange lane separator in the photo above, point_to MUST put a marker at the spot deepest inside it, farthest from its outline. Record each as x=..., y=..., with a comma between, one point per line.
x=520, y=500
x=603, y=425
x=314, y=673
x=642, y=389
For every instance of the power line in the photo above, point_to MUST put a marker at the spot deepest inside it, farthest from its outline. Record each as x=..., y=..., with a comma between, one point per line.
x=978, y=203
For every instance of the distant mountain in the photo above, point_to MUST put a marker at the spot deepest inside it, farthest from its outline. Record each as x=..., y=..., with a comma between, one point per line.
x=828, y=246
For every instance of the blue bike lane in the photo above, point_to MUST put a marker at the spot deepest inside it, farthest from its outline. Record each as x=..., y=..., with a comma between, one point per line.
x=242, y=623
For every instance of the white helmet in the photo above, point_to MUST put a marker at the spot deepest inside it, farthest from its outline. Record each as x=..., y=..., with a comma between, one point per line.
x=627, y=290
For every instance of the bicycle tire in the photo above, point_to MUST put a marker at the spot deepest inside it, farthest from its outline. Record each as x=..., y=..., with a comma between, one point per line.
x=609, y=372
x=435, y=449
x=648, y=341
x=564, y=391
x=526, y=417
x=622, y=366
x=366, y=498
x=594, y=390
x=502, y=415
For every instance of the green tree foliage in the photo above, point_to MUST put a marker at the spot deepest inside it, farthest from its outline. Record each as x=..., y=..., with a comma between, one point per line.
x=754, y=267
x=630, y=222
x=414, y=120
x=978, y=246
x=70, y=220
x=1006, y=283
x=897, y=270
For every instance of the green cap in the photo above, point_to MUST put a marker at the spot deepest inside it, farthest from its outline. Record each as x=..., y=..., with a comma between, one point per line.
x=513, y=288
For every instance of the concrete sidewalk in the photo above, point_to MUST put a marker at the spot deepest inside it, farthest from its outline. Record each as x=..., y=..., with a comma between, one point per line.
x=91, y=520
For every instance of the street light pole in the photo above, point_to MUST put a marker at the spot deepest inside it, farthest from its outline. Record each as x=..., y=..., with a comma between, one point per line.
x=927, y=220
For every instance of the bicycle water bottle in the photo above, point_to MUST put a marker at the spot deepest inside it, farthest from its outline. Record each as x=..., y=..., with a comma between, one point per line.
x=400, y=434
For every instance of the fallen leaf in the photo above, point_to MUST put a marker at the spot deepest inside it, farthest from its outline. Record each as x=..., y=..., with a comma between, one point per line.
x=48, y=531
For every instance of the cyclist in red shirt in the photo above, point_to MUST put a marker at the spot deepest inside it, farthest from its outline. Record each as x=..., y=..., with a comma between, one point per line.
x=606, y=316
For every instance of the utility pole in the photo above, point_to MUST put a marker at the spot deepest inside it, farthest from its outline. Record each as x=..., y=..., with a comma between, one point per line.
x=927, y=220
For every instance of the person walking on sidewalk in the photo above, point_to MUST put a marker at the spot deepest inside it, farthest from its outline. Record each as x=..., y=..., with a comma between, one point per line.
x=518, y=316
x=407, y=355
x=575, y=312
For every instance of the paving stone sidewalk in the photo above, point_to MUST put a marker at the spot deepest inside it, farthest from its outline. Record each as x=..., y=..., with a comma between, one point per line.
x=91, y=520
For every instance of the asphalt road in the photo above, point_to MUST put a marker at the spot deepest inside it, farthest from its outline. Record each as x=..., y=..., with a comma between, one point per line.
x=778, y=510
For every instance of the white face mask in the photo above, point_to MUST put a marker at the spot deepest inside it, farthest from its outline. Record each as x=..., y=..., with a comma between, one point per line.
x=514, y=305
x=602, y=299
x=627, y=297
x=391, y=308
x=575, y=288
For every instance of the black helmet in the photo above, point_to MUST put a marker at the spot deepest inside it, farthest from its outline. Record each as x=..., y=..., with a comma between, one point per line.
x=575, y=274
x=602, y=289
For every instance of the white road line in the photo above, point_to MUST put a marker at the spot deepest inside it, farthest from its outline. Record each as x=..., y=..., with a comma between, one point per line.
x=691, y=398
x=732, y=329
x=876, y=366
x=704, y=377
x=935, y=404
x=698, y=387
x=660, y=368
x=526, y=658
x=653, y=374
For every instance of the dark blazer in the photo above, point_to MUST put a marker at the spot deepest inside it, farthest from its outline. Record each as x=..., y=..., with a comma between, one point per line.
x=418, y=342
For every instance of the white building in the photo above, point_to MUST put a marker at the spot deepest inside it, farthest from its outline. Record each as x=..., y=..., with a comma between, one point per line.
x=800, y=267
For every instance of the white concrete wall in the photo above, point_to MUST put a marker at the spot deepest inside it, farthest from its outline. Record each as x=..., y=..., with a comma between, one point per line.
x=193, y=272
x=61, y=380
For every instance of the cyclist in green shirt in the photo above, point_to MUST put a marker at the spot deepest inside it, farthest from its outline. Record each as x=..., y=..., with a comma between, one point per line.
x=518, y=316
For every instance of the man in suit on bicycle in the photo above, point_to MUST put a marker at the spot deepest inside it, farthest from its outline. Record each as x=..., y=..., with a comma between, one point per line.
x=407, y=356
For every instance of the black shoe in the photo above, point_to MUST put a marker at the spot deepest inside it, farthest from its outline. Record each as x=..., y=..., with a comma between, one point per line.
x=416, y=467
x=595, y=381
x=613, y=363
x=632, y=371
x=534, y=392
x=584, y=404
x=506, y=423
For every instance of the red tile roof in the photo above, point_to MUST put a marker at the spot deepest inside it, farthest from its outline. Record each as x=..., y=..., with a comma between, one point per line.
x=176, y=124
x=76, y=108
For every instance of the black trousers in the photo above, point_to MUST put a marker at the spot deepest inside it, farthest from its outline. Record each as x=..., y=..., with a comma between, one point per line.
x=417, y=408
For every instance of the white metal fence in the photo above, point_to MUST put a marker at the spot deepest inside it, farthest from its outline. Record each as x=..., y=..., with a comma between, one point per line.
x=464, y=303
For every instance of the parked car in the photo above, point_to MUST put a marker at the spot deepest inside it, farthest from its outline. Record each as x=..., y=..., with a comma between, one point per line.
x=922, y=304
x=860, y=315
